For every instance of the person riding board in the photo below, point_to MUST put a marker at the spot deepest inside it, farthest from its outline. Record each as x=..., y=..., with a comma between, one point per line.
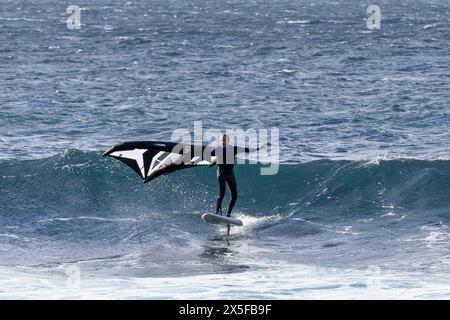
x=225, y=156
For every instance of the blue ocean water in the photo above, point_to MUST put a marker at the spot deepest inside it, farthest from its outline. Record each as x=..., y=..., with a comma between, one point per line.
x=359, y=208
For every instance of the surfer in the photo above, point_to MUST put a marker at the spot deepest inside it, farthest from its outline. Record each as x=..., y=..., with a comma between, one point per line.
x=225, y=156
x=151, y=159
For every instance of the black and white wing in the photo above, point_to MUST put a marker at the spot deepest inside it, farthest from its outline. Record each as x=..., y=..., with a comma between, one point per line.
x=150, y=159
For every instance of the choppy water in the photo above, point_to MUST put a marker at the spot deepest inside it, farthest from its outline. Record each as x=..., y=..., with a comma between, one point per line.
x=359, y=208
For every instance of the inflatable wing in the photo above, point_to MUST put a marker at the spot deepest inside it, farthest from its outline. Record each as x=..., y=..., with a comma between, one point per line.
x=150, y=159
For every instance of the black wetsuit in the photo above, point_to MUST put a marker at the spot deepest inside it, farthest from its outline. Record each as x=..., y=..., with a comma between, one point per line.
x=225, y=175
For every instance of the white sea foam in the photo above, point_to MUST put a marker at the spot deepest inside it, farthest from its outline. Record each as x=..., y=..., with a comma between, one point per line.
x=293, y=22
x=275, y=282
x=87, y=218
x=250, y=223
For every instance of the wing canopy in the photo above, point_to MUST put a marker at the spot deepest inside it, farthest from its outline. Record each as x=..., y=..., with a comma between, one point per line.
x=150, y=159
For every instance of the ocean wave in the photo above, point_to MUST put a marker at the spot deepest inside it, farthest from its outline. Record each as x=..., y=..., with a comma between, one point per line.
x=83, y=185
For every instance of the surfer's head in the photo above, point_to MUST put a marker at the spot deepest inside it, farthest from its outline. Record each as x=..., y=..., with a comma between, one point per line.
x=224, y=140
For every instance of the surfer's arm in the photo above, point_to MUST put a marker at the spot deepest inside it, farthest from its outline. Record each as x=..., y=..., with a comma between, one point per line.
x=249, y=150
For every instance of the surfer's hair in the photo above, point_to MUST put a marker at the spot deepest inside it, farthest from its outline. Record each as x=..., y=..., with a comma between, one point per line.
x=224, y=136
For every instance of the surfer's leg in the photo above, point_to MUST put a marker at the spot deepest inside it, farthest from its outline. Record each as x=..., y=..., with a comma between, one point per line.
x=221, y=180
x=233, y=192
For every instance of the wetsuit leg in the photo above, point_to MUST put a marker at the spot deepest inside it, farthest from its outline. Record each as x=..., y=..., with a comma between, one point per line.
x=231, y=180
x=221, y=180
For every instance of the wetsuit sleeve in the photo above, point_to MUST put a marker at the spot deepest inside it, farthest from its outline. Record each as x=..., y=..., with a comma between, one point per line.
x=246, y=150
